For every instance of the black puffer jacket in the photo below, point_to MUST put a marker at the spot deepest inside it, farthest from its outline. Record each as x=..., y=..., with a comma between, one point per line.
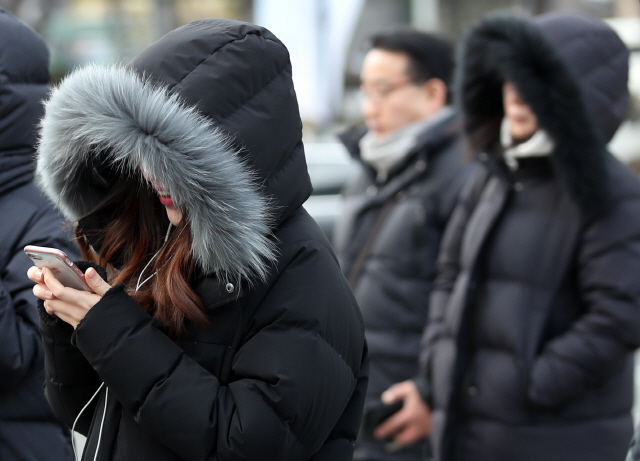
x=400, y=223
x=536, y=309
x=281, y=372
x=28, y=429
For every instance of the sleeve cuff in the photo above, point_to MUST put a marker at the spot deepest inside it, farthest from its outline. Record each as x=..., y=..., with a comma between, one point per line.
x=47, y=320
x=113, y=290
x=423, y=389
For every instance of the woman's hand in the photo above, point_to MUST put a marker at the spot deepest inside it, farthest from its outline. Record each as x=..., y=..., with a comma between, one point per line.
x=68, y=304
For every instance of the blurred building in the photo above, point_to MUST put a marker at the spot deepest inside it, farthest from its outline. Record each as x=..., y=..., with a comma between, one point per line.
x=327, y=39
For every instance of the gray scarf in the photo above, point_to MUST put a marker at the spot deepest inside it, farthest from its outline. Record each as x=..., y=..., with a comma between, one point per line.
x=383, y=154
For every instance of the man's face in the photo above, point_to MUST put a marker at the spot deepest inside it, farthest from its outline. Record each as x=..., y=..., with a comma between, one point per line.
x=522, y=121
x=391, y=99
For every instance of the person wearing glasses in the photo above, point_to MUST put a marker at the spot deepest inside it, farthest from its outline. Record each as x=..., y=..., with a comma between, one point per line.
x=411, y=156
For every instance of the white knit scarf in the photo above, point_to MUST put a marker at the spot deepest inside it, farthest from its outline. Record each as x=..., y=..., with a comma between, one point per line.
x=538, y=145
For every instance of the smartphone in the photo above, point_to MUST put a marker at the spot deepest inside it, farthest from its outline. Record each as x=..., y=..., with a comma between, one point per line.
x=60, y=264
x=378, y=412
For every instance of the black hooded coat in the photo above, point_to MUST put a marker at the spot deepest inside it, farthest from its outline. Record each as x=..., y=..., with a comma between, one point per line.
x=210, y=111
x=29, y=431
x=535, y=313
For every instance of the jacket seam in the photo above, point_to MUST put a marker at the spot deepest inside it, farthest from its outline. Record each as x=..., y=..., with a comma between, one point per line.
x=245, y=102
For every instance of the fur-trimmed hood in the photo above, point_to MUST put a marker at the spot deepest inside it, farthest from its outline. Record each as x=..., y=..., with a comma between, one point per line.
x=571, y=70
x=209, y=112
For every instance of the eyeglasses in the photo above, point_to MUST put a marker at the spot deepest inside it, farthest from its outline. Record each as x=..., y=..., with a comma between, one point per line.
x=381, y=91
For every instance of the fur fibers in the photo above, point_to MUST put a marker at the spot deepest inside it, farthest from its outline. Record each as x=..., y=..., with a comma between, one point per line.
x=507, y=47
x=109, y=118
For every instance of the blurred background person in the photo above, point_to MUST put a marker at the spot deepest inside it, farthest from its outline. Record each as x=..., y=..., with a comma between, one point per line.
x=28, y=429
x=535, y=315
x=394, y=213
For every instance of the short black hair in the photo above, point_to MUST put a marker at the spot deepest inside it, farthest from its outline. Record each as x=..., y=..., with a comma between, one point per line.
x=430, y=55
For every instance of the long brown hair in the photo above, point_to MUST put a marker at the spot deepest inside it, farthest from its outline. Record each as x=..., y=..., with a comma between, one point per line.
x=126, y=230
x=484, y=134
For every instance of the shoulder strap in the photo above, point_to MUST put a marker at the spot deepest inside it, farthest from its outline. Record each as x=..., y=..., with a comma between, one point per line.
x=356, y=268
x=442, y=171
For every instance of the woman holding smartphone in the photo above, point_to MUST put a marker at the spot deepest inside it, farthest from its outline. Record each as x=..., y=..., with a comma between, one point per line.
x=227, y=330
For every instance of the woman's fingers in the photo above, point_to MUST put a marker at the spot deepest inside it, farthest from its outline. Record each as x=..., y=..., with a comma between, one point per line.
x=68, y=294
x=95, y=282
x=68, y=304
x=50, y=280
x=42, y=291
x=70, y=312
x=64, y=311
x=35, y=274
x=49, y=310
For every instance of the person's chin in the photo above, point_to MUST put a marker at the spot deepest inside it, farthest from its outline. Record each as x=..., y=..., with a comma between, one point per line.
x=174, y=215
x=379, y=133
x=519, y=138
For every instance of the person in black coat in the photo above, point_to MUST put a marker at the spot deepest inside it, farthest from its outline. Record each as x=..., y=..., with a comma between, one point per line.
x=411, y=154
x=228, y=331
x=29, y=431
x=535, y=313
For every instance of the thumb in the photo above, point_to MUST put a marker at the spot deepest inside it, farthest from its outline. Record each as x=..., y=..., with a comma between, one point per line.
x=95, y=282
x=398, y=391
x=393, y=394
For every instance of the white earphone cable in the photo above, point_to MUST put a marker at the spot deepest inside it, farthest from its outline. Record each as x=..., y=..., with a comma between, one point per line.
x=139, y=284
x=73, y=427
x=104, y=414
x=106, y=395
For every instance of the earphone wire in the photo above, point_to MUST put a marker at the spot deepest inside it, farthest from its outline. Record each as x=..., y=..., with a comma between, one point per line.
x=166, y=238
x=73, y=427
x=106, y=395
x=104, y=414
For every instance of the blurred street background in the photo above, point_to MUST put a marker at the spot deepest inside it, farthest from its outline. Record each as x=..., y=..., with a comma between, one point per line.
x=326, y=38
x=327, y=42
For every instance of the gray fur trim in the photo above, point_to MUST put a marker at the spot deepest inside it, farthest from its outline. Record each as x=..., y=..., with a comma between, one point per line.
x=110, y=115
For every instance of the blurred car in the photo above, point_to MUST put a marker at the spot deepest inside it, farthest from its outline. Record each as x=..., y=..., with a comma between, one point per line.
x=330, y=168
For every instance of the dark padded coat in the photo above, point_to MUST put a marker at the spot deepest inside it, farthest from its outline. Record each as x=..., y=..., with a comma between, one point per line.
x=29, y=431
x=536, y=309
x=281, y=372
x=401, y=222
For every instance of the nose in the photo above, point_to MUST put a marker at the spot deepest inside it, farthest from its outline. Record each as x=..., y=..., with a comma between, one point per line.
x=511, y=95
x=369, y=108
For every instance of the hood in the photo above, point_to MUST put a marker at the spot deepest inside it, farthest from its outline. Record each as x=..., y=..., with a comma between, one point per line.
x=24, y=83
x=208, y=111
x=571, y=70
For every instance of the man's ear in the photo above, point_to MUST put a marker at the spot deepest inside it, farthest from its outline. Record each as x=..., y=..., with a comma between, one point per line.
x=436, y=90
